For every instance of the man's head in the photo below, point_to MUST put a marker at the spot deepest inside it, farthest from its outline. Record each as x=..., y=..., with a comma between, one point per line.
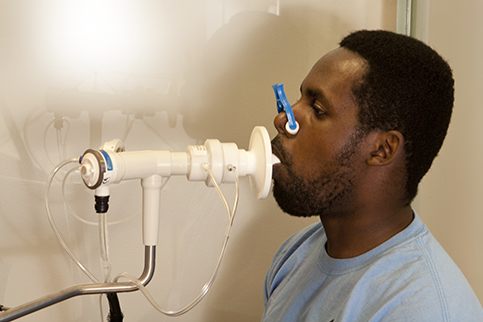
x=318, y=167
x=379, y=99
x=409, y=88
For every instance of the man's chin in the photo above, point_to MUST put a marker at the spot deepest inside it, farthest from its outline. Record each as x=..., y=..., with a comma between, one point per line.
x=289, y=205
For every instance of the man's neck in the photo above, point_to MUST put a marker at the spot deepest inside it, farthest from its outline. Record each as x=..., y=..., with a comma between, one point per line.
x=355, y=234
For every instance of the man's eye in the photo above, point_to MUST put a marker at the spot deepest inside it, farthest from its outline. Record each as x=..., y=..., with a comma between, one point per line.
x=318, y=111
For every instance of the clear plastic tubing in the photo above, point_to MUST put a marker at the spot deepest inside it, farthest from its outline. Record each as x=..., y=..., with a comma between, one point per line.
x=104, y=241
x=54, y=226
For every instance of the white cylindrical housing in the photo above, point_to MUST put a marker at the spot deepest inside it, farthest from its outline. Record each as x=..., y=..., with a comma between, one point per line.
x=103, y=168
x=216, y=160
x=231, y=158
x=151, y=198
x=141, y=164
x=198, y=155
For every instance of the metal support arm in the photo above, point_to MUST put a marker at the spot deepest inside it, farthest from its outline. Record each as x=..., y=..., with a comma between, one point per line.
x=85, y=289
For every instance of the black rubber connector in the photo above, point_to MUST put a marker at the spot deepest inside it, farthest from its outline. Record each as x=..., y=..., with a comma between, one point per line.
x=102, y=204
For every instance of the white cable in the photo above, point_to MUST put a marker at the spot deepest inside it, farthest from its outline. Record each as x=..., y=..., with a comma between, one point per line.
x=207, y=286
x=61, y=141
x=100, y=307
x=26, y=137
x=53, y=225
x=129, y=125
x=45, y=142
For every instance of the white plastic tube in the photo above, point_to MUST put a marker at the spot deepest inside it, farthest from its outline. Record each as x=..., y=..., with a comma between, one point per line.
x=151, y=198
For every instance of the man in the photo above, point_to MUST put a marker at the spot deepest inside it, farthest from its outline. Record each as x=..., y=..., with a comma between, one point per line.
x=373, y=114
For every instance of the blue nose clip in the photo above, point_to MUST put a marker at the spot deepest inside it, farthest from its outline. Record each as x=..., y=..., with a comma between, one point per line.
x=283, y=105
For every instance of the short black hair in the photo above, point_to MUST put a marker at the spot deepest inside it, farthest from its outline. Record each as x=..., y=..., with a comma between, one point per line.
x=408, y=87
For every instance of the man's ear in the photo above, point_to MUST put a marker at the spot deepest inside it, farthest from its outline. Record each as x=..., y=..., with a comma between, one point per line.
x=387, y=147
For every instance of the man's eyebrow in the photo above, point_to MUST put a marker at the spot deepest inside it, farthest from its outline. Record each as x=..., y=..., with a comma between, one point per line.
x=317, y=94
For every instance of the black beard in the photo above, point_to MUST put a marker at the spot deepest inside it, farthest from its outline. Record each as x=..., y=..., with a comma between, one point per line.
x=313, y=197
x=308, y=197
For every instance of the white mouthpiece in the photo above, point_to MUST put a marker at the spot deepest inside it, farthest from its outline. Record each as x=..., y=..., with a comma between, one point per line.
x=275, y=159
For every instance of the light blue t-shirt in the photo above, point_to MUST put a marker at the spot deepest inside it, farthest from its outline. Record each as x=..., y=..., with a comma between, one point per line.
x=410, y=277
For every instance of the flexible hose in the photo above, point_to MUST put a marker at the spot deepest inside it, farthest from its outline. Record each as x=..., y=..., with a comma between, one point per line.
x=54, y=226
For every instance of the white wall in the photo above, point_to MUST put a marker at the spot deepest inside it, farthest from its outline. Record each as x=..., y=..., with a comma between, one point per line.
x=451, y=194
x=160, y=75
